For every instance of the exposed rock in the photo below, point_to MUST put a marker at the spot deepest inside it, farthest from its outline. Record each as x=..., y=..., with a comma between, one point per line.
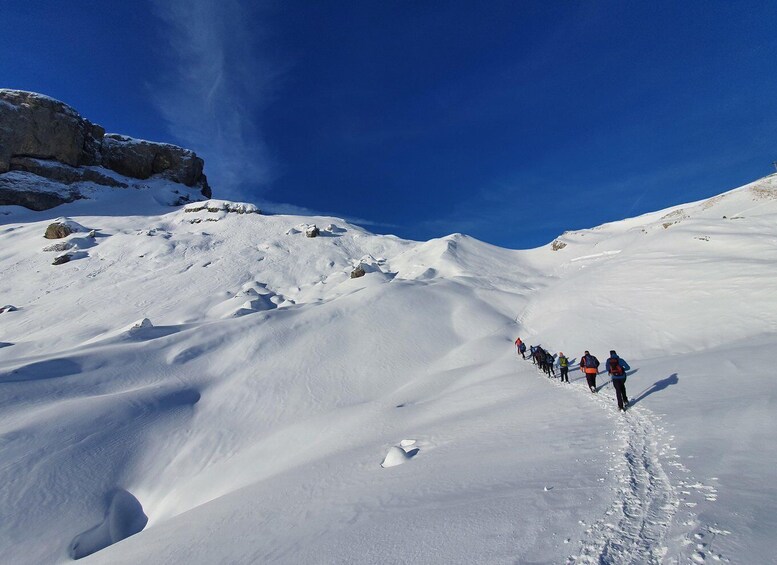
x=15, y=190
x=47, y=138
x=34, y=125
x=8, y=308
x=141, y=159
x=59, y=247
x=312, y=231
x=558, y=245
x=61, y=259
x=358, y=272
x=63, y=173
x=92, y=234
x=57, y=230
x=215, y=206
x=141, y=324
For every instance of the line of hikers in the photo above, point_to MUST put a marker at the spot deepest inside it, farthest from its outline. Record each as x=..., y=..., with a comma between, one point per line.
x=589, y=365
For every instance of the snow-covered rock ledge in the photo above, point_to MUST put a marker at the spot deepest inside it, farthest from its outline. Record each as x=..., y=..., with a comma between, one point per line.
x=215, y=206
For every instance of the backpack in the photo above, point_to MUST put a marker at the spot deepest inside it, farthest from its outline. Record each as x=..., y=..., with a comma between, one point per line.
x=614, y=366
x=589, y=361
x=562, y=361
x=522, y=347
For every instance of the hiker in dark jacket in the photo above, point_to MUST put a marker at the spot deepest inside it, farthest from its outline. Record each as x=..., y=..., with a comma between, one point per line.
x=539, y=355
x=542, y=359
x=549, y=360
x=590, y=366
x=563, y=365
x=616, y=368
x=533, y=351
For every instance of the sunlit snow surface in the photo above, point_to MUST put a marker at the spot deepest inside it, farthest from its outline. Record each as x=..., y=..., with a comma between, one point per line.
x=220, y=375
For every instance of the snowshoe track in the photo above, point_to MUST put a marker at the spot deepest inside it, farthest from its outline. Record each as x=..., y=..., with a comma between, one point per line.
x=634, y=530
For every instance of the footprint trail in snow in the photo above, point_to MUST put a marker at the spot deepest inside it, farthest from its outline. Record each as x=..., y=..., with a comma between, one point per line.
x=637, y=527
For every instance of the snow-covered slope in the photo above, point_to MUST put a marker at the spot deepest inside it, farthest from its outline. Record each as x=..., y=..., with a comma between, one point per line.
x=219, y=375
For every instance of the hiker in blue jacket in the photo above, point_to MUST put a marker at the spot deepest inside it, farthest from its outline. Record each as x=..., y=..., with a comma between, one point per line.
x=616, y=368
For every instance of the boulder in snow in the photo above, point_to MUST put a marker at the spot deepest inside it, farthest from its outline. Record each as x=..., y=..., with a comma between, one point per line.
x=58, y=230
x=7, y=308
x=62, y=259
x=358, y=272
x=312, y=231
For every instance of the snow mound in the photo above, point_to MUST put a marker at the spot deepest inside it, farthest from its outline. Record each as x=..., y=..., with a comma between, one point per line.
x=397, y=455
x=124, y=518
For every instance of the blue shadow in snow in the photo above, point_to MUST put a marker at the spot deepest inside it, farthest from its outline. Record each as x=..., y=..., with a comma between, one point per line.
x=49, y=369
x=672, y=379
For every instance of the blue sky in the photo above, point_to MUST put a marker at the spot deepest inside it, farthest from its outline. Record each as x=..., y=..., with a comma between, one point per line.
x=508, y=121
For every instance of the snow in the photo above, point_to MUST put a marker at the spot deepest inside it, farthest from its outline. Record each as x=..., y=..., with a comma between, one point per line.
x=224, y=391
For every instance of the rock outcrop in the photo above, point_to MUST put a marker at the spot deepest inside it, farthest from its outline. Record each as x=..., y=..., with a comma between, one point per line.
x=47, y=138
x=141, y=159
x=33, y=125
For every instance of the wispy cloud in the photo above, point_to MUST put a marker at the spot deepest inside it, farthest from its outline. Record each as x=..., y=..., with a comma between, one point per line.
x=295, y=210
x=212, y=88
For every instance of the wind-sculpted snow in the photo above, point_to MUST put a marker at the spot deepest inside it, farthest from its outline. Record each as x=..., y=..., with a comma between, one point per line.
x=230, y=383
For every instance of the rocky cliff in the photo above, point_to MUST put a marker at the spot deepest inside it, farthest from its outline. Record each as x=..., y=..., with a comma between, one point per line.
x=48, y=153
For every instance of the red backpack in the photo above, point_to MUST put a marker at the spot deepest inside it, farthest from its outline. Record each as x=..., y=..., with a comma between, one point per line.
x=615, y=366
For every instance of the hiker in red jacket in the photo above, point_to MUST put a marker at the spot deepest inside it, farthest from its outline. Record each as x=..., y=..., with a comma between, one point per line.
x=590, y=366
x=521, y=347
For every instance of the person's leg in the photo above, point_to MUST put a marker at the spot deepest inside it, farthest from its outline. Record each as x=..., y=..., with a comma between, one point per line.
x=616, y=384
x=625, y=398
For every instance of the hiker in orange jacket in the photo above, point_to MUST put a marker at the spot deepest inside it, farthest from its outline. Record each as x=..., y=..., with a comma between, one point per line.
x=590, y=366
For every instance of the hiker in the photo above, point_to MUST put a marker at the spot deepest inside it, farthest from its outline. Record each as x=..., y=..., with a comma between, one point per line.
x=532, y=353
x=520, y=346
x=549, y=360
x=539, y=356
x=616, y=368
x=563, y=365
x=590, y=366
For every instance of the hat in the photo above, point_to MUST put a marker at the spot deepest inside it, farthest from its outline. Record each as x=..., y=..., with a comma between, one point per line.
x=612, y=352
